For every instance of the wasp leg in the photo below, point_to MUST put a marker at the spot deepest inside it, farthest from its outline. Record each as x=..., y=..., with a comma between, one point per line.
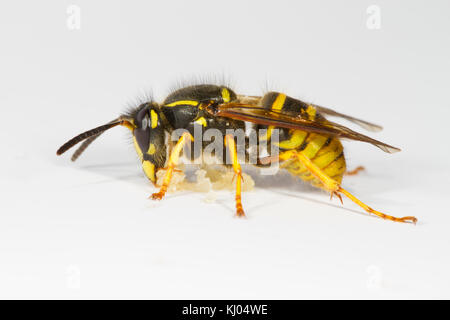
x=173, y=161
x=355, y=171
x=229, y=142
x=334, y=187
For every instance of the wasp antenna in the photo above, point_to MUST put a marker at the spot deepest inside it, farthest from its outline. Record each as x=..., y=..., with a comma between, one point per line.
x=86, y=144
x=88, y=134
x=83, y=147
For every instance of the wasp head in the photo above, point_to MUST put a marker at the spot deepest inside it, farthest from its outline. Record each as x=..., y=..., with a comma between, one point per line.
x=149, y=137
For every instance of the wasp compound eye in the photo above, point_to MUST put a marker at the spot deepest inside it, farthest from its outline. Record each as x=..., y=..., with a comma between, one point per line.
x=141, y=116
x=144, y=123
x=142, y=132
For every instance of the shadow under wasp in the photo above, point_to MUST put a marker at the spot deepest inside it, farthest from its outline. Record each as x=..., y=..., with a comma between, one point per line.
x=309, y=144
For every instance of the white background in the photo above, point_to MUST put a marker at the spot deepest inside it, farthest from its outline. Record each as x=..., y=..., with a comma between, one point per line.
x=87, y=229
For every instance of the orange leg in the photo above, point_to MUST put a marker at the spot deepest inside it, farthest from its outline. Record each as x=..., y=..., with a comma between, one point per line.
x=355, y=171
x=334, y=187
x=173, y=161
x=229, y=142
x=375, y=212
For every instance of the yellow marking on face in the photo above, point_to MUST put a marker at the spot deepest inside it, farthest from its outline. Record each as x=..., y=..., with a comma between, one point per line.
x=279, y=102
x=225, y=95
x=182, y=102
x=149, y=170
x=138, y=150
x=154, y=118
x=295, y=140
x=311, y=111
x=151, y=149
x=201, y=121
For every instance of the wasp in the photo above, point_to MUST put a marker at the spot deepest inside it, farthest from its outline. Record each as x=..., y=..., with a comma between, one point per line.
x=309, y=144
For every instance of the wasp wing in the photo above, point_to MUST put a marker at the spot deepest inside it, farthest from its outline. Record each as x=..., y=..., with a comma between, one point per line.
x=259, y=115
x=362, y=123
x=255, y=100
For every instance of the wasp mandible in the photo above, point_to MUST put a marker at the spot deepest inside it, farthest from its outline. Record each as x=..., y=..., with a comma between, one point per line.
x=309, y=144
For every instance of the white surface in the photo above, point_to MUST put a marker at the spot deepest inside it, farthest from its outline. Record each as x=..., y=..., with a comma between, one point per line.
x=87, y=230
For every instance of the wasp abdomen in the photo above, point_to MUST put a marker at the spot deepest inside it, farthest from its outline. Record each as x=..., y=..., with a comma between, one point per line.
x=324, y=151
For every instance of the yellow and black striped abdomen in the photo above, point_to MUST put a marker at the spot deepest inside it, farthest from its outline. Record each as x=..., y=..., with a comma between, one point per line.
x=324, y=151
